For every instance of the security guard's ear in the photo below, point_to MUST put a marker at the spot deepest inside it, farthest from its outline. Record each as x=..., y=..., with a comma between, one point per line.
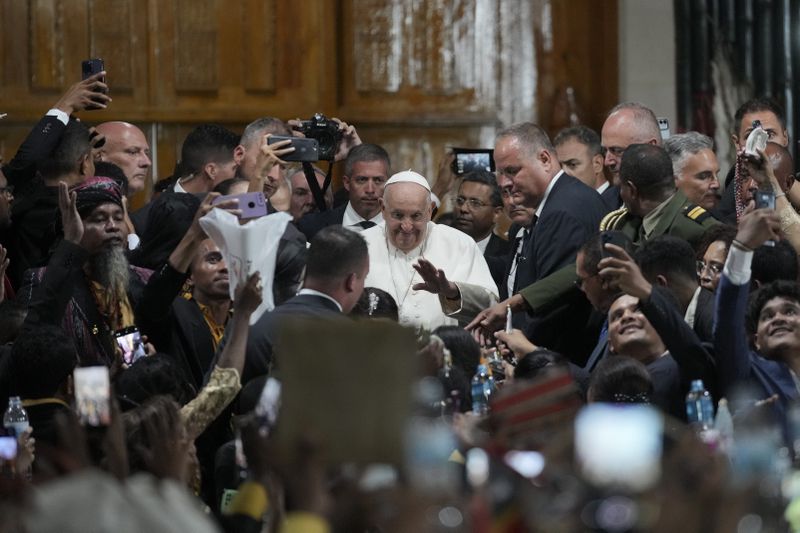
x=661, y=280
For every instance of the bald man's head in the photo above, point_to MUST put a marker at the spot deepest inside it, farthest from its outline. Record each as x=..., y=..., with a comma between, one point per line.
x=126, y=147
x=628, y=123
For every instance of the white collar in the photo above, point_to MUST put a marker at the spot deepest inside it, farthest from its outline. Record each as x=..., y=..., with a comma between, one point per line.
x=483, y=243
x=351, y=218
x=178, y=187
x=601, y=189
x=312, y=292
x=547, y=193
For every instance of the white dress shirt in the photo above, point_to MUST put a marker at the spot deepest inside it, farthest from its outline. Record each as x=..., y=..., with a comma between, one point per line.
x=351, y=219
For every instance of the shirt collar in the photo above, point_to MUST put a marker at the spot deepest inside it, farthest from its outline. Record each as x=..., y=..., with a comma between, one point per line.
x=650, y=220
x=547, y=193
x=178, y=187
x=691, y=309
x=351, y=218
x=483, y=243
x=601, y=189
x=312, y=292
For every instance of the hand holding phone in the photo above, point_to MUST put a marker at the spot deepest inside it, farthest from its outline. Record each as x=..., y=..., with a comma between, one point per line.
x=251, y=204
x=305, y=150
x=130, y=342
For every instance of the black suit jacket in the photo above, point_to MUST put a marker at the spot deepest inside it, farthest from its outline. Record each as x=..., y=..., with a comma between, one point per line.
x=704, y=316
x=175, y=325
x=612, y=197
x=38, y=145
x=570, y=216
x=496, y=255
x=35, y=206
x=263, y=333
x=313, y=222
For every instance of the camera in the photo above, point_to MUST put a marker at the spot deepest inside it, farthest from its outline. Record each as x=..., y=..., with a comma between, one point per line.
x=326, y=132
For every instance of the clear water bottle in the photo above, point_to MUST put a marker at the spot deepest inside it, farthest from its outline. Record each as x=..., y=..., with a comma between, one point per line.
x=699, y=407
x=15, y=419
x=482, y=389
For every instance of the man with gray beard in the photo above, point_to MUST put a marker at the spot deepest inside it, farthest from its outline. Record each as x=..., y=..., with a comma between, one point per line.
x=88, y=286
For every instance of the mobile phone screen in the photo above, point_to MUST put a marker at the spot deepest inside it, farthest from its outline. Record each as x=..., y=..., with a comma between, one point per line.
x=619, y=446
x=469, y=159
x=130, y=341
x=92, y=393
x=8, y=448
x=304, y=149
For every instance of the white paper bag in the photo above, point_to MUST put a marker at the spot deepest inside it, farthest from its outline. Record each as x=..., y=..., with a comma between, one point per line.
x=248, y=248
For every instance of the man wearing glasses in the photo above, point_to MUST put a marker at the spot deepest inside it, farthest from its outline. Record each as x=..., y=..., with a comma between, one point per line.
x=626, y=124
x=478, y=205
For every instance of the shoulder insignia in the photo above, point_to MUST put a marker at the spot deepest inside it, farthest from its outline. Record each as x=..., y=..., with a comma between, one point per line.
x=696, y=213
x=611, y=220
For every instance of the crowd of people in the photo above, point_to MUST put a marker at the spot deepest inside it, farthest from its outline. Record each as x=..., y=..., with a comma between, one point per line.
x=576, y=292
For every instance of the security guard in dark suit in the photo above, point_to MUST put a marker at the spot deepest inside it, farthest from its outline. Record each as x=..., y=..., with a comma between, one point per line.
x=653, y=207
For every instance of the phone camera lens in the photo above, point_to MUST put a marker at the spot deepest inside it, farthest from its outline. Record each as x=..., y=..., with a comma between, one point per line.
x=251, y=205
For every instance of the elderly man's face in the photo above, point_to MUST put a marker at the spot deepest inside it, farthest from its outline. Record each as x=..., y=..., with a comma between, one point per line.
x=407, y=211
x=104, y=226
x=698, y=180
x=127, y=148
x=6, y=199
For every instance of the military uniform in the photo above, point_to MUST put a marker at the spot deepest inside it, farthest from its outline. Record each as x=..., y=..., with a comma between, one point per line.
x=678, y=217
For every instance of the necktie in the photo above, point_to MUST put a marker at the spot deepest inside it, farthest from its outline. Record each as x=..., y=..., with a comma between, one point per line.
x=366, y=224
x=599, y=349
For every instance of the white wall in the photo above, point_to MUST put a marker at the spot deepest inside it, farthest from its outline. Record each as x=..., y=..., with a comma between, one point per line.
x=647, y=55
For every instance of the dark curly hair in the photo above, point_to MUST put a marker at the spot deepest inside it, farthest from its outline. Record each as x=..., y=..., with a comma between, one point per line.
x=787, y=289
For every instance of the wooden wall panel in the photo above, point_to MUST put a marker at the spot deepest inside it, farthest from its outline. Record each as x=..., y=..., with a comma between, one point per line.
x=417, y=75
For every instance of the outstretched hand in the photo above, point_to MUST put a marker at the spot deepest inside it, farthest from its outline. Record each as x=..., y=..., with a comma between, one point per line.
x=434, y=280
x=70, y=219
x=487, y=322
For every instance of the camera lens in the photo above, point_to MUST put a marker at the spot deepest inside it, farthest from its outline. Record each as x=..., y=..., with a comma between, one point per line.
x=251, y=205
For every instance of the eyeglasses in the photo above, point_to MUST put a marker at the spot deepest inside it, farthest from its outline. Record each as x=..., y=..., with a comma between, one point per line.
x=471, y=202
x=715, y=268
x=580, y=281
x=8, y=190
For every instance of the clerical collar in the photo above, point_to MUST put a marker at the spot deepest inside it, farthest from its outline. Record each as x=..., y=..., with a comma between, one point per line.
x=351, y=218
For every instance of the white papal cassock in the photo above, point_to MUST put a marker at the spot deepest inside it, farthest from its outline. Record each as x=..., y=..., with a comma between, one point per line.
x=446, y=248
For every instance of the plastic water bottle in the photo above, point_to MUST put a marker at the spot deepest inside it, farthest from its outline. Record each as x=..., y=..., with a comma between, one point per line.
x=15, y=419
x=699, y=407
x=482, y=389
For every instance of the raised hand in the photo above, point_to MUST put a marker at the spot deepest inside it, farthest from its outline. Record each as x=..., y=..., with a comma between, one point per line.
x=70, y=219
x=516, y=341
x=757, y=226
x=86, y=94
x=350, y=139
x=249, y=295
x=434, y=280
x=622, y=271
x=487, y=322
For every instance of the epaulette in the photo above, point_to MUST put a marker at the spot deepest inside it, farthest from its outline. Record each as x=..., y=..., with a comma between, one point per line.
x=696, y=213
x=611, y=220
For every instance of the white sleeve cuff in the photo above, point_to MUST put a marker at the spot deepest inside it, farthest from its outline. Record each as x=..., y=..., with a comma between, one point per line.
x=60, y=115
x=737, y=265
